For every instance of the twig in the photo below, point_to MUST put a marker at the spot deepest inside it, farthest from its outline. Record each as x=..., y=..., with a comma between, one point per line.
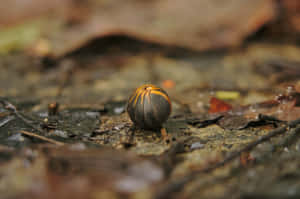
x=287, y=141
x=14, y=110
x=178, y=184
x=5, y=121
x=42, y=138
x=290, y=139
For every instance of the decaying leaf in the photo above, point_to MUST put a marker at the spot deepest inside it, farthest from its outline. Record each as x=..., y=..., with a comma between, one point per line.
x=283, y=108
x=217, y=106
x=198, y=25
x=204, y=120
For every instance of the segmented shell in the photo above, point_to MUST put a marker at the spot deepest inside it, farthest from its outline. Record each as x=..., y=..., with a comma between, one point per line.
x=149, y=107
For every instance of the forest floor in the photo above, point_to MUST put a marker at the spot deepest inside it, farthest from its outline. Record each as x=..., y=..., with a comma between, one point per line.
x=65, y=133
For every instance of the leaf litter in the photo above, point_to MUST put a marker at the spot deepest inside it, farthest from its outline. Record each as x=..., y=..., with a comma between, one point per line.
x=88, y=148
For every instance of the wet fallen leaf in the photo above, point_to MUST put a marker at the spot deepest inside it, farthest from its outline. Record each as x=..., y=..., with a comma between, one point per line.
x=203, y=120
x=234, y=122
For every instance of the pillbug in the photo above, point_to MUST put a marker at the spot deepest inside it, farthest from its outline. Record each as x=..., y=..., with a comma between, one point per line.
x=149, y=107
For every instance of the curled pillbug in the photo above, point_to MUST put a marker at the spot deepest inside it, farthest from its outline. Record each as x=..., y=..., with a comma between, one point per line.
x=149, y=107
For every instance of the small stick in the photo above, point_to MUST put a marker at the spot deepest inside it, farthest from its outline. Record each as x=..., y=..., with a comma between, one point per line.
x=14, y=110
x=42, y=138
x=291, y=138
x=178, y=184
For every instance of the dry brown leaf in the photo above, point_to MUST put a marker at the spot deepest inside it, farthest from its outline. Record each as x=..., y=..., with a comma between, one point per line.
x=193, y=24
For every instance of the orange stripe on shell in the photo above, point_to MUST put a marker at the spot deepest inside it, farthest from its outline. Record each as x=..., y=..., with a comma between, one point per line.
x=139, y=92
x=162, y=94
x=146, y=90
